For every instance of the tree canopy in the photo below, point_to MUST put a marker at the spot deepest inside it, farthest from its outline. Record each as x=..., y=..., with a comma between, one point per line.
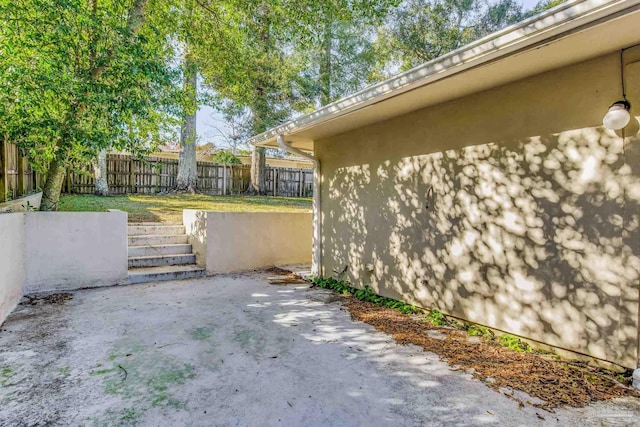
x=80, y=76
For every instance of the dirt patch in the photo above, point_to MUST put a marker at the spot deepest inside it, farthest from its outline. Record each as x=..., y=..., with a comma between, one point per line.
x=283, y=277
x=58, y=298
x=550, y=383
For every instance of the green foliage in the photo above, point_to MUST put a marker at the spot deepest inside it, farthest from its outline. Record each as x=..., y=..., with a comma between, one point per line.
x=226, y=157
x=436, y=317
x=421, y=30
x=333, y=284
x=365, y=294
x=543, y=5
x=74, y=79
x=514, y=343
x=479, y=331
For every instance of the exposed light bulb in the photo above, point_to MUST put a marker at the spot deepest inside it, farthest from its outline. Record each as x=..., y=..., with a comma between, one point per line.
x=618, y=115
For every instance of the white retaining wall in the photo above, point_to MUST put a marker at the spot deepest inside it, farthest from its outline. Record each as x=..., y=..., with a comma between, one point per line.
x=72, y=250
x=228, y=242
x=50, y=251
x=12, y=271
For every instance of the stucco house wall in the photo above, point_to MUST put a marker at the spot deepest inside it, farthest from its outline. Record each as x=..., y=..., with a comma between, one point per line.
x=513, y=208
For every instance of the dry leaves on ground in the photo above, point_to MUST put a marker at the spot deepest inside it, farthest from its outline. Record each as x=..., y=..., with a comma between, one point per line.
x=58, y=298
x=551, y=383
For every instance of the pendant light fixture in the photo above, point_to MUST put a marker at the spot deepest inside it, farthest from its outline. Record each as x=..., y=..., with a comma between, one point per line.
x=618, y=115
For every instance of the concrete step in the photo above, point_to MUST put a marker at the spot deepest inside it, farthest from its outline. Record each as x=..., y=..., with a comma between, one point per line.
x=157, y=239
x=159, y=274
x=154, y=223
x=157, y=261
x=164, y=230
x=158, y=250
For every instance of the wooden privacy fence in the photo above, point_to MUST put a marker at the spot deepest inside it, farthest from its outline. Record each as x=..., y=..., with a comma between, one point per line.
x=129, y=175
x=17, y=177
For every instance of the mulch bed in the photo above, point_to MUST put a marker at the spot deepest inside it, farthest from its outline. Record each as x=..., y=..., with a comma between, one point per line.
x=551, y=383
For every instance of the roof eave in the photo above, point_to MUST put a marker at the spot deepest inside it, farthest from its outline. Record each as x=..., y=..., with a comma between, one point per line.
x=531, y=32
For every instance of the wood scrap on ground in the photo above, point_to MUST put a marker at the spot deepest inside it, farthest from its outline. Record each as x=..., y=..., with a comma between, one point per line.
x=283, y=277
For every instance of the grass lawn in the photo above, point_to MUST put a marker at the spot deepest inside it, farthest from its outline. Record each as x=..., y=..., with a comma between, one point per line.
x=168, y=208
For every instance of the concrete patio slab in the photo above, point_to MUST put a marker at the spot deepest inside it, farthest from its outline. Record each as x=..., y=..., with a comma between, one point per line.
x=234, y=350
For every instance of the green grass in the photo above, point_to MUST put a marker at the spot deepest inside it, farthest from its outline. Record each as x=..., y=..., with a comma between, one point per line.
x=168, y=207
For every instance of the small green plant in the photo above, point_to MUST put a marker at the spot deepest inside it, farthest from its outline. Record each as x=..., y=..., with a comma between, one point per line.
x=514, y=343
x=365, y=294
x=436, y=317
x=479, y=331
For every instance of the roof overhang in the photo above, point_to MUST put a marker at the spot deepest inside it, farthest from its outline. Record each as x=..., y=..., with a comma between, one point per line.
x=569, y=33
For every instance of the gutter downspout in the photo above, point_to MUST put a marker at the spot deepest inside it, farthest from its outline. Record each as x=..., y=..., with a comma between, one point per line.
x=316, y=266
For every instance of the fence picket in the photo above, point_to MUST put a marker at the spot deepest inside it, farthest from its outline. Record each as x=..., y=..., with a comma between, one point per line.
x=128, y=175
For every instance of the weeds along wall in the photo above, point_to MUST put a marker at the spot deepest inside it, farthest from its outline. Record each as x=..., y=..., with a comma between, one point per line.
x=512, y=208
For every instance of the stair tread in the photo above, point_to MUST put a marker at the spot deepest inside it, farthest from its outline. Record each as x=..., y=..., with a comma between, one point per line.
x=158, y=235
x=153, y=224
x=165, y=269
x=160, y=256
x=159, y=245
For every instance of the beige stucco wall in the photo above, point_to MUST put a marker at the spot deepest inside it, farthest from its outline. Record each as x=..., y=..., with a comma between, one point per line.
x=532, y=223
x=72, y=250
x=12, y=274
x=227, y=242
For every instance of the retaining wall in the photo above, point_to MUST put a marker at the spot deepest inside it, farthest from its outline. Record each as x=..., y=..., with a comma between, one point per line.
x=12, y=266
x=227, y=242
x=73, y=250
x=50, y=251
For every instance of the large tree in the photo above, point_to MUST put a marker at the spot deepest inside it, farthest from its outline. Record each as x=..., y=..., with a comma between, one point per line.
x=78, y=76
x=265, y=66
x=421, y=30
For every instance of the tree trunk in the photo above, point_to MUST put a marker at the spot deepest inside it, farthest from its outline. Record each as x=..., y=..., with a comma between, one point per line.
x=187, y=179
x=325, y=62
x=100, y=174
x=52, y=187
x=258, y=184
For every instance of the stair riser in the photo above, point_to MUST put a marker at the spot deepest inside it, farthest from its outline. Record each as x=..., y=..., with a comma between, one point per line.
x=159, y=250
x=161, y=261
x=134, y=224
x=156, y=240
x=165, y=230
x=161, y=277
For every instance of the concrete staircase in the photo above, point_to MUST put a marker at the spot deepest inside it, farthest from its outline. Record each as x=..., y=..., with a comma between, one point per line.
x=160, y=251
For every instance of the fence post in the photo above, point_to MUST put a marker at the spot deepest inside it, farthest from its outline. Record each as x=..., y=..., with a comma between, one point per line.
x=3, y=169
x=69, y=182
x=132, y=175
x=224, y=179
x=22, y=185
x=276, y=175
x=158, y=167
